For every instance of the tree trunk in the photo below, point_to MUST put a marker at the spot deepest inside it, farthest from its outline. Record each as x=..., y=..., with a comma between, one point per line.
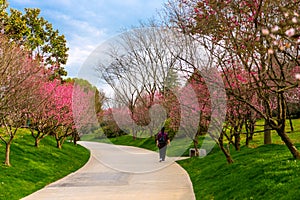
x=291, y=125
x=225, y=152
x=237, y=141
x=7, y=153
x=281, y=130
x=247, y=127
x=38, y=137
x=195, y=141
x=252, y=128
x=37, y=142
x=227, y=155
x=75, y=139
x=267, y=133
x=237, y=136
x=249, y=132
x=134, y=134
x=58, y=144
x=295, y=152
x=247, y=138
x=290, y=118
x=62, y=141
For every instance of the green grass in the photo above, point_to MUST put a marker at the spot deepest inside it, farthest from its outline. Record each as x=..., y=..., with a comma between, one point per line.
x=265, y=172
x=33, y=168
x=294, y=136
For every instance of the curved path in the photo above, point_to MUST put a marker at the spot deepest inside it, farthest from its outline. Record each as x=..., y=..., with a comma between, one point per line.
x=121, y=173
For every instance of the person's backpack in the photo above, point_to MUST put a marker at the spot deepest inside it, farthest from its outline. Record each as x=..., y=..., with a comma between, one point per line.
x=162, y=138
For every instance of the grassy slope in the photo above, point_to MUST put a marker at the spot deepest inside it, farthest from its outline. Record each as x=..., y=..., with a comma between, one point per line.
x=33, y=168
x=259, y=172
x=266, y=172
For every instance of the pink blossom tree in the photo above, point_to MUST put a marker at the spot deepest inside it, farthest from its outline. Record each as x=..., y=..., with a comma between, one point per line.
x=87, y=103
x=191, y=114
x=261, y=36
x=19, y=80
x=40, y=120
x=62, y=112
x=145, y=118
x=149, y=113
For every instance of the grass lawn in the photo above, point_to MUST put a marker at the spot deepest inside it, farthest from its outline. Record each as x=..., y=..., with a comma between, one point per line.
x=258, y=172
x=294, y=136
x=33, y=168
x=265, y=172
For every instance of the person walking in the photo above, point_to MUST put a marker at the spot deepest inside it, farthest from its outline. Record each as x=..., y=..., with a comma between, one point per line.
x=162, y=141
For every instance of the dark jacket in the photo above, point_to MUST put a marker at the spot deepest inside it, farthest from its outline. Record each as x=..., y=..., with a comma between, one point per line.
x=164, y=142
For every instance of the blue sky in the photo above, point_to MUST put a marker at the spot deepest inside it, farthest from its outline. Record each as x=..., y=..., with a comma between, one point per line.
x=88, y=23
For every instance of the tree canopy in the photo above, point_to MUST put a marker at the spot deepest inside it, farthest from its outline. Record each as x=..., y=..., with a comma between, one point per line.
x=37, y=35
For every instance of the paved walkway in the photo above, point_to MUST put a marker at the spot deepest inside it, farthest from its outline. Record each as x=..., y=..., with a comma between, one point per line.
x=121, y=173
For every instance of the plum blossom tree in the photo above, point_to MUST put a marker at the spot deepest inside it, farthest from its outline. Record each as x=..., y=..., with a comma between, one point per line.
x=72, y=111
x=185, y=115
x=64, y=110
x=147, y=117
x=19, y=79
x=40, y=119
x=61, y=111
x=195, y=113
x=239, y=113
x=86, y=104
x=260, y=36
x=149, y=114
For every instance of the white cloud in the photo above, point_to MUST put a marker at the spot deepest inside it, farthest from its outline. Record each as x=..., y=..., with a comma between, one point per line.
x=86, y=24
x=79, y=26
x=80, y=49
x=82, y=38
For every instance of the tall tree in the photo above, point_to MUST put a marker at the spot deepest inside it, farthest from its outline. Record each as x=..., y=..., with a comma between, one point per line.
x=260, y=36
x=20, y=77
x=141, y=65
x=38, y=36
x=100, y=97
